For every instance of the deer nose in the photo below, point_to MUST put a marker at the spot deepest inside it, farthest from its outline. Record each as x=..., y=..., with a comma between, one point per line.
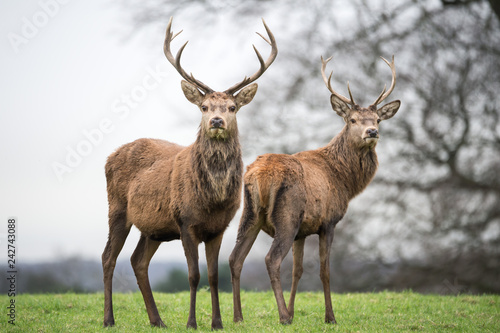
x=372, y=132
x=217, y=122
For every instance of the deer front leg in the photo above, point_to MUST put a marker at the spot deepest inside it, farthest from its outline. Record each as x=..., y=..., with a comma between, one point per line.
x=212, y=254
x=140, y=260
x=191, y=251
x=298, y=256
x=325, y=242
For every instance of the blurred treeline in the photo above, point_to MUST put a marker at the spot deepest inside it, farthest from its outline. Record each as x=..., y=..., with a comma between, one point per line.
x=84, y=276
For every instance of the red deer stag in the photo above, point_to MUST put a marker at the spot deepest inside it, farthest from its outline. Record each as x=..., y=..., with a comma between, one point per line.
x=171, y=192
x=293, y=196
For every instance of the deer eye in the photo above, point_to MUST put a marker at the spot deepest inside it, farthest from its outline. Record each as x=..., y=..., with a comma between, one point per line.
x=378, y=121
x=204, y=108
x=232, y=108
x=353, y=121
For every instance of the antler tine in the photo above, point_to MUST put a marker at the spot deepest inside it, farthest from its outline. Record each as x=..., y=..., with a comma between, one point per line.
x=177, y=34
x=377, y=101
x=350, y=95
x=328, y=83
x=264, y=38
x=176, y=62
x=384, y=93
x=264, y=65
x=323, y=67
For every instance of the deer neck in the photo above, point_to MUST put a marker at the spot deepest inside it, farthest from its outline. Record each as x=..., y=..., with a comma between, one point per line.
x=218, y=168
x=353, y=165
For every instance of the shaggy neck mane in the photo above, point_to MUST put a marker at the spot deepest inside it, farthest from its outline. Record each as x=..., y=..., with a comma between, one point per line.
x=218, y=167
x=351, y=164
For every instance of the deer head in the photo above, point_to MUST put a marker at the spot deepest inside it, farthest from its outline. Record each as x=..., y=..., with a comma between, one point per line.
x=219, y=108
x=362, y=123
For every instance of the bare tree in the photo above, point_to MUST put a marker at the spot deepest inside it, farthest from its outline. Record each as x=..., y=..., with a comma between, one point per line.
x=446, y=191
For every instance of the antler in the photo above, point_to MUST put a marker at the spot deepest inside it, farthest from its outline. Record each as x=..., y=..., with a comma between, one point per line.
x=385, y=94
x=263, y=65
x=176, y=62
x=329, y=86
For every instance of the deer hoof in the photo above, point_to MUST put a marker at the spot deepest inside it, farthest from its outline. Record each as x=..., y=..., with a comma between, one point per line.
x=217, y=326
x=286, y=321
x=158, y=323
x=192, y=325
x=110, y=323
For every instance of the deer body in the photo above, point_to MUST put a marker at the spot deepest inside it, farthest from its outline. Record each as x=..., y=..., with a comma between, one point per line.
x=293, y=196
x=155, y=190
x=172, y=192
x=321, y=178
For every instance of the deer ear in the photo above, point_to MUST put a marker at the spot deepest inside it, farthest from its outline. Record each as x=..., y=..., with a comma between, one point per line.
x=388, y=110
x=246, y=95
x=340, y=106
x=192, y=93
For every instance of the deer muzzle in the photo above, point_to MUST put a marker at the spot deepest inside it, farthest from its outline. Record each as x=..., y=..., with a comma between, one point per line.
x=370, y=135
x=217, y=122
x=217, y=128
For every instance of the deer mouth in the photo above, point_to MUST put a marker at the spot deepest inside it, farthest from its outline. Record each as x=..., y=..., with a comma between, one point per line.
x=218, y=132
x=370, y=139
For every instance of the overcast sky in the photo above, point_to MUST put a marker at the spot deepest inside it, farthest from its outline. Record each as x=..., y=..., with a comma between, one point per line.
x=75, y=85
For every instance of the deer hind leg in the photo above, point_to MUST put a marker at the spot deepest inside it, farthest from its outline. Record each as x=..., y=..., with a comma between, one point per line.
x=279, y=249
x=286, y=217
x=190, y=245
x=118, y=232
x=140, y=259
x=298, y=257
x=247, y=233
x=212, y=249
x=325, y=243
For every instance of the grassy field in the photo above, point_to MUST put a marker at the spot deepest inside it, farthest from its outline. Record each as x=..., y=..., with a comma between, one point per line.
x=372, y=312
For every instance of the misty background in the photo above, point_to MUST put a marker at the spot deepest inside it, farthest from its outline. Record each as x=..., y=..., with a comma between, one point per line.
x=81, y=79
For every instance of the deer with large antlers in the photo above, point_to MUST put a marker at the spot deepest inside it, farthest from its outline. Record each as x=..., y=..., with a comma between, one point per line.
x=171, y=192
x=293, y=196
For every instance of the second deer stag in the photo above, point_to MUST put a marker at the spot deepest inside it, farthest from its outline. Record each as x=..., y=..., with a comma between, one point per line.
x=293, y=196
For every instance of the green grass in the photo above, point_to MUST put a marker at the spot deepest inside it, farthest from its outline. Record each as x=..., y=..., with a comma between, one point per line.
x=370, y=312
